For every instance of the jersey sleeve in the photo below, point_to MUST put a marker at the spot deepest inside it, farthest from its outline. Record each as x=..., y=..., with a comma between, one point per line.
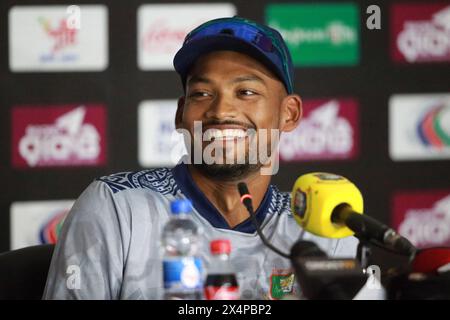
x=88, y=259
x=346, y=247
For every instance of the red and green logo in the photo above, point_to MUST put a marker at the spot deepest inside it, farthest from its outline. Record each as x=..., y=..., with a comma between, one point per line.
x=281, y=284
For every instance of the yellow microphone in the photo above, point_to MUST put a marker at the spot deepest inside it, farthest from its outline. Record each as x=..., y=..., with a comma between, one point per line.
x=314, y=198
x=330, y=206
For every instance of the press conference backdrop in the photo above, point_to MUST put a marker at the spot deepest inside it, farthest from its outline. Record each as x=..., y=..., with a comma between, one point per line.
x=89, y=91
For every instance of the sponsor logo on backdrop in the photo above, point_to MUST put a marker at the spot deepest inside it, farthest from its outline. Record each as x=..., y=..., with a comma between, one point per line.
x=63, y=38
x=329, y=130
x=50, y=230
x=37, y=222
x=318, y=34
x=419, y=126
x=158, y=143
x=54, y=136
x=162, y=28
x=420, y=32
x=423, y=218
x=43, y=38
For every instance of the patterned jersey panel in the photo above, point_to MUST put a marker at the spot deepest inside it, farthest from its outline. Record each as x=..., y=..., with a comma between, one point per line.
x=160, y=180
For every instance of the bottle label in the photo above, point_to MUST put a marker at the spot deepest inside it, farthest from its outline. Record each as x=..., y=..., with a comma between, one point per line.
x=183, y=273
x=221, y=293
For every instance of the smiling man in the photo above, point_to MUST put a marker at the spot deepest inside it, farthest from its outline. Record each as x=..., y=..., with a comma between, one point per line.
x=241, y=95
x=237, y=77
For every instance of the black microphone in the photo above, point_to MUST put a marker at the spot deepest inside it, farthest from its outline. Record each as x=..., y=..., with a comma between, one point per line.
x=428, y=277
x=324, y=278
x=319, y=277
x=246, y=197
x=246, y=200
x=367, y=228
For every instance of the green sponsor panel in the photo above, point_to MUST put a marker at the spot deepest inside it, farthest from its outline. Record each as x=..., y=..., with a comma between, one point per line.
x=318, y=34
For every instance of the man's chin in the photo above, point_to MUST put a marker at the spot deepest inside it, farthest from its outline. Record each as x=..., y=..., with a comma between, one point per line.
x=228, y=172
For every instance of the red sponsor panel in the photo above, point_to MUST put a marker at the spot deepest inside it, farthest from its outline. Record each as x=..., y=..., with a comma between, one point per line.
x=329, y=130
x=423, y=217
x=58, y=136
x=420, y=32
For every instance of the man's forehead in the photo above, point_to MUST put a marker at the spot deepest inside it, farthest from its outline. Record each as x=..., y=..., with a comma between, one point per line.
x=233, y=57
x=239, y=67
x=204, y=78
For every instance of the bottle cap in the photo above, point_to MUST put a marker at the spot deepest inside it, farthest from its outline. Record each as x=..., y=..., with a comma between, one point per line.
x=181, y=206
x=220, y=246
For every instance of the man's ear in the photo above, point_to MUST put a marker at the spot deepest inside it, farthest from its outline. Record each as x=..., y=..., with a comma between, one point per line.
x=179, y=114
x=291, y=112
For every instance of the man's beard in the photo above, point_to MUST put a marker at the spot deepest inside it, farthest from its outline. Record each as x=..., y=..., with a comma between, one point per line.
x=228, y=172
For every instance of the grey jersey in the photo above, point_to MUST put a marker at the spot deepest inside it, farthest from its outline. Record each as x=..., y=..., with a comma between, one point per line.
x=109, y=246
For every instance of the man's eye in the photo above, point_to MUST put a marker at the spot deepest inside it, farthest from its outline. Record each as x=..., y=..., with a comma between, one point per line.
x=247, y=92
x=198, y=94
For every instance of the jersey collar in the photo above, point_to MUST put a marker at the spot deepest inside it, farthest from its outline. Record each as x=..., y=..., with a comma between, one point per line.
x=207, y=210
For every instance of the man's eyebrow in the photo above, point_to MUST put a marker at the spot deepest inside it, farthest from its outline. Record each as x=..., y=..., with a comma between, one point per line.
x=198, y=79
x=248, y=77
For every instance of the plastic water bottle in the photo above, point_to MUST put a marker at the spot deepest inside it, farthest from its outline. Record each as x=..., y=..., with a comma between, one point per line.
x=221, y=283
x=182, y=266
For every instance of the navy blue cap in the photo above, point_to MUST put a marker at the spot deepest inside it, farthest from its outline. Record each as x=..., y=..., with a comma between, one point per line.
x=259, y=41
x=181, y=206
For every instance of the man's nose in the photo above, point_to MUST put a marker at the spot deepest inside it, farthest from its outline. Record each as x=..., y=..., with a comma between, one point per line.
x=222, y=107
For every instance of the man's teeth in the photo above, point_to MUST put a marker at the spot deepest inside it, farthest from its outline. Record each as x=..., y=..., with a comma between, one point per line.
x=224, y=134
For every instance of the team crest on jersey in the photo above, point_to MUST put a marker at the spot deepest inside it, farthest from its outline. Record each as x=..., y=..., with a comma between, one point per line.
x=282, y=283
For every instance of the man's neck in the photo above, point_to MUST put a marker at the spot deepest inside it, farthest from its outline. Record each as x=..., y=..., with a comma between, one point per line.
x=224, y=195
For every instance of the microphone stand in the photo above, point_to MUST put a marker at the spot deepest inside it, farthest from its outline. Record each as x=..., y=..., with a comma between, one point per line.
x=363, y=252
